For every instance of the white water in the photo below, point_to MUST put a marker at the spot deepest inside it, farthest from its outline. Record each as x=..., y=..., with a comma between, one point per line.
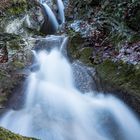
x=56, y=110
x=51, y=15
x=52, y=19
x=61, y=10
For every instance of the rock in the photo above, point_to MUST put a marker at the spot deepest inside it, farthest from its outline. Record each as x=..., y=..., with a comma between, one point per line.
x=76, y=42
x=3, y=52
x=22, y=21
x=83, y=77
x=132, y=18
x=13, y=6
x=129, y=53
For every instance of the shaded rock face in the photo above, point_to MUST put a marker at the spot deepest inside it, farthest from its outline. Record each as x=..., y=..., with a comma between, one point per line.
x=133, y=17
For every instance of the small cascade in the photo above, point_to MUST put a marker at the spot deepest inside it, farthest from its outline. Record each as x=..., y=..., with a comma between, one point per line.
x=51, y=17
x=55, y=110
x=52, y=22
x=61, y=11
x=55, y=107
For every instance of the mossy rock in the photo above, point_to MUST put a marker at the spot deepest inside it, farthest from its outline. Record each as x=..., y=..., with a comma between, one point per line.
x=8, y=135
x=135, y=38
x=79, y=50
x=120, y=75
x=85, y=55
x=18, y=6
x=19, y=64
x=14, y=44
x=76, y=42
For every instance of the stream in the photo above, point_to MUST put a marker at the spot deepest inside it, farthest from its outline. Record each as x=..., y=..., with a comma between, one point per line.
x=55, y=109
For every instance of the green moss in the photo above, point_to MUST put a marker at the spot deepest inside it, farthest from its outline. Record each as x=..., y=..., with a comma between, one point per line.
x=85, y=54
x=3, y=99
x=18, y=64
x=135, y=38
x=71, y=33
x=18, y=6
x=8, y=135
x=14, y=44
x=121, y=75
x=75, y=44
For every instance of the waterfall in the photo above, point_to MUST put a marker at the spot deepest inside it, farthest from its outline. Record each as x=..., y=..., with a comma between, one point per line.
x=61, y=11
x=51, y=17
x=51, y=23
x=55, y=110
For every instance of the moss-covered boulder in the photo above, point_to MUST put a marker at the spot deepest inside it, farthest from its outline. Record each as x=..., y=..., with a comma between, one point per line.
x=8, y=135
x=13, y=6
x=75, y=44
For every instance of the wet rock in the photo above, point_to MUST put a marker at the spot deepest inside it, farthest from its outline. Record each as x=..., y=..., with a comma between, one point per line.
x=83, y=77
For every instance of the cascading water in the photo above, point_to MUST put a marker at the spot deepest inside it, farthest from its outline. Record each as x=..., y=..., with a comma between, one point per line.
x=61, y=10
x=56, y=110
x=52, y=22
x=52, y=19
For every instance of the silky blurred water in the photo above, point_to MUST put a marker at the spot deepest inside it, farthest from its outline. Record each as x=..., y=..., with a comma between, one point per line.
x=55, y=110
